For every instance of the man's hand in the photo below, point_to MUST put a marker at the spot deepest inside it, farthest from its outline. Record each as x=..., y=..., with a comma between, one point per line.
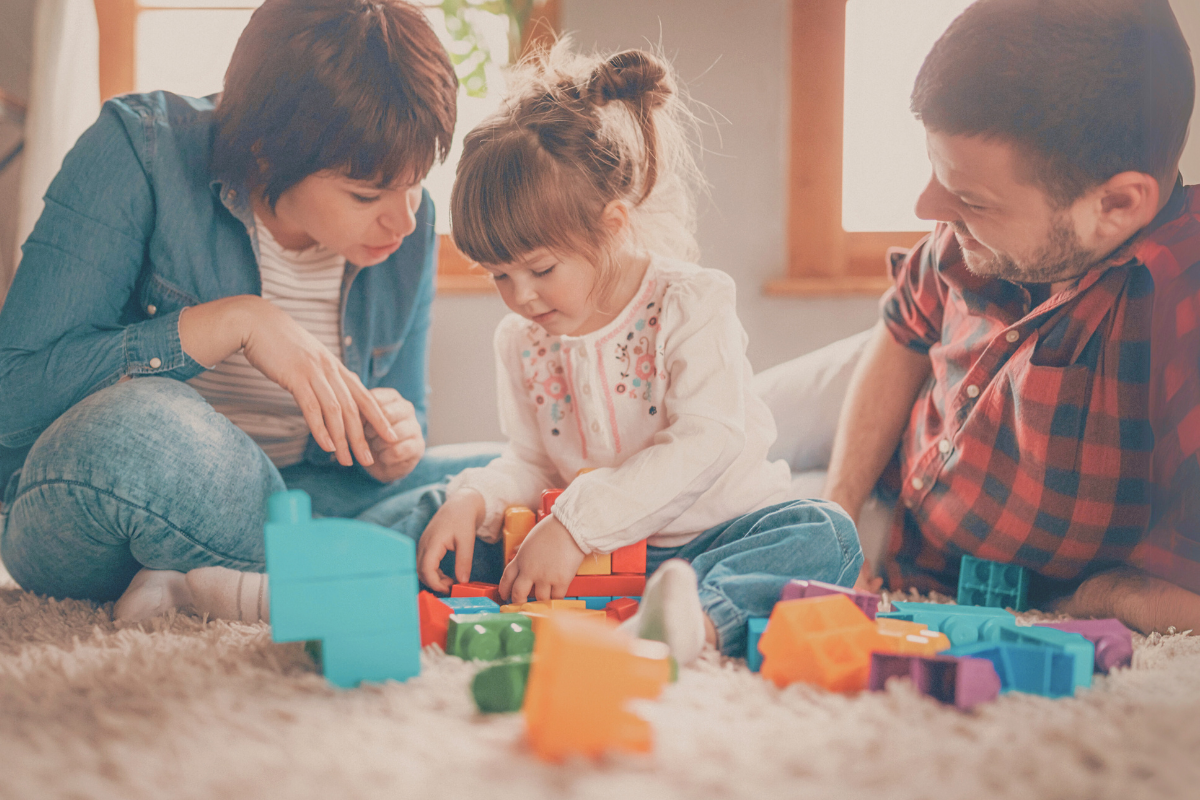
x=544, y=565
x=451, y=529
x=394, y=458
x=1141, y=601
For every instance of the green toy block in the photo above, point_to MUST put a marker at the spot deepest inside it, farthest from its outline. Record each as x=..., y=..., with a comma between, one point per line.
x=961, y=624
x=989, y=583
x=487, y=637
x=500, y=687
x=349, y=585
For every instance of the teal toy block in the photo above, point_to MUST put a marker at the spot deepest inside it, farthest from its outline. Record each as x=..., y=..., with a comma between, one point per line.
x=349, y=585
x=1083, y=651
x=754, y=632
x=1023, y=668
x=595, y=603
x=500, y=688
x=961, y=624
x=486, y=637
x=471, y=605
x=988, y=583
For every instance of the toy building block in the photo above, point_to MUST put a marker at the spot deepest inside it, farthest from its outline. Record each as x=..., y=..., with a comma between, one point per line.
x=754, y=631
x=518, y=522
x=596, y=564
x=1112, y=640
x=350, y=584
x=471, y=605
x=961, y=624
x=545, y=606
x=476, y=589
x=581, y=678
x=548, y=498
x=988, y=583
x=910, y=638
x=621, y=609
x=960, y=682
x=435, y=619
x=796, y=590
x=486, y=637
x=1023, y=668
x=826, y=641
x=630, y=559
x=500, y=687
x=596, y=603
x=607, y=586
x=1079, y=647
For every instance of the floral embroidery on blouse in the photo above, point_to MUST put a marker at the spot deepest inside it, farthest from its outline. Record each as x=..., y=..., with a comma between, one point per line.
x=544, y=377
x=636, y=357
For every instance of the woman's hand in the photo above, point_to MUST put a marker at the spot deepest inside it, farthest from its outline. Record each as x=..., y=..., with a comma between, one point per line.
x=544, y=565
x=452, y=528
x=394, y=460
x=332, y=399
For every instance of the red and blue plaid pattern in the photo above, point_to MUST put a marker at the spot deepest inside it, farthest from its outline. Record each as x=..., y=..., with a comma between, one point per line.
x=1064, y=437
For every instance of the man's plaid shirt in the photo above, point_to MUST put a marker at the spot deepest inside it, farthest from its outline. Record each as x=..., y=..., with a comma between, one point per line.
x=1064, y=437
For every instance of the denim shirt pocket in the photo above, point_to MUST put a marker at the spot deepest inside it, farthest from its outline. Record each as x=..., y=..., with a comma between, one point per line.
x=382, y=358
x=157, y=297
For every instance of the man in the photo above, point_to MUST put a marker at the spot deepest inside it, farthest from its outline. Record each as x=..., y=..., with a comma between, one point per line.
x=1040, y=349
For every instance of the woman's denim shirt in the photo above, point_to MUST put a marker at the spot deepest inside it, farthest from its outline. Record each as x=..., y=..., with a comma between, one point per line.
x=135, y=229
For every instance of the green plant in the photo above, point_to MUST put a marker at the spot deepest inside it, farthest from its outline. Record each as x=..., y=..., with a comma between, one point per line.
x=469, y=50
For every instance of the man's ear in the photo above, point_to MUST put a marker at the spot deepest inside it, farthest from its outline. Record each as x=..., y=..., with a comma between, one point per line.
x=1127, y=202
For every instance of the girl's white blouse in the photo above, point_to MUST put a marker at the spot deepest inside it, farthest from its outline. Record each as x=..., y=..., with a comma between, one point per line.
x=658, y=404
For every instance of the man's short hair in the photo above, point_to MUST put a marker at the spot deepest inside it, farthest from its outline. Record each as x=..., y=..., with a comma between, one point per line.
x=359, y=86
x=1085, y=89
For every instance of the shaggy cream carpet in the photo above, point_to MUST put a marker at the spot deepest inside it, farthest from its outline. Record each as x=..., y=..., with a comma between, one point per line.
x=181, y=708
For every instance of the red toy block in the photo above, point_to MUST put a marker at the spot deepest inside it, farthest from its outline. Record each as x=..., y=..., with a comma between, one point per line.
x=607, y=586
x=630, y=559
x=621, y=609
x=476, y=589
x=435, y=619
x=548, y=498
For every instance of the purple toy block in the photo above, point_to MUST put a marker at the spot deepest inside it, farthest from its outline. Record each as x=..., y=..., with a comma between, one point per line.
x=1113, y=641
x=962, y=682
x=796, y=590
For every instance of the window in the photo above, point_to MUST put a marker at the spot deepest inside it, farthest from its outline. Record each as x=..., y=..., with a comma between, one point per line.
x=184, y=46
x=857, y=155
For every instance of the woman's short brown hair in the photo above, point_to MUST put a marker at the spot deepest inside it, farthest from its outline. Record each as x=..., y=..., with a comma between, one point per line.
x=359, y=86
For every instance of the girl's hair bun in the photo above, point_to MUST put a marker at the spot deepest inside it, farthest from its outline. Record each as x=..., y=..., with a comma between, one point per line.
x=634, y=76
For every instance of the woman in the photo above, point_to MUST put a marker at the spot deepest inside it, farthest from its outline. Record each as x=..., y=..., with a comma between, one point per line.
x=223, y=298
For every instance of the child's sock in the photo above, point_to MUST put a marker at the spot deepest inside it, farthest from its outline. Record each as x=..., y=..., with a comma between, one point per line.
x=152, y=593
x=224, y=593
x=670, y=611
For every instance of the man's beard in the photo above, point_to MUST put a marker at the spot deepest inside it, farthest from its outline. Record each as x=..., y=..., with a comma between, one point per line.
x=1062, y=257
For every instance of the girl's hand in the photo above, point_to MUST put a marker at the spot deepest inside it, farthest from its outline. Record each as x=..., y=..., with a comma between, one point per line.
x=545, y=564
x=332, y=398
x=394, y=460
x=452, y=528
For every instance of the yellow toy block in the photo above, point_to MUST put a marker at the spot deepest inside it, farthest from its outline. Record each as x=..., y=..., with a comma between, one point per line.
x=518, y=522
x=909, y=638
x=596, y=564
x=544, y=606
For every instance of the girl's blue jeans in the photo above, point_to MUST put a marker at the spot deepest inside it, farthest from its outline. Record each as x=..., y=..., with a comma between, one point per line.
x=146, y=474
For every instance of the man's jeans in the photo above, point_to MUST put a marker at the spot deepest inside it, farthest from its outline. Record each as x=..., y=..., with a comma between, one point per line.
x=146, y=474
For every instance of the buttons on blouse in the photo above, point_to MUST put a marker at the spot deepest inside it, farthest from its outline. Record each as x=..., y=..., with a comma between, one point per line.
x=349, y=340
x=972, y=391
x=1012, y=336
x=152, y=309
x=944, y=446
x=587, y=389
x=155, y=363
x=595, y=427
x=918, y=484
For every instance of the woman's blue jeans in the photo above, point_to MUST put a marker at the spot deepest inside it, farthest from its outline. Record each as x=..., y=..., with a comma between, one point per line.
x=146, y=474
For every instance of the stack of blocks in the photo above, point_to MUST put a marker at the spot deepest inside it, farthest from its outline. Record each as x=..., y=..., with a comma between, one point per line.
x=350, y=585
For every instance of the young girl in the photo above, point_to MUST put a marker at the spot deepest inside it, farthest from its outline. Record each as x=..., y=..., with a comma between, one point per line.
x=624, y=358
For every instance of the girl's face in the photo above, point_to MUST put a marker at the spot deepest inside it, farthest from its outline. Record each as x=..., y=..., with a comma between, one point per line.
x=356, y=219
x=552, y=290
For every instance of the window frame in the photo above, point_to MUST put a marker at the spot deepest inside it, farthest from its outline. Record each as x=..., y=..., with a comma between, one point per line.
x=822, y=257
x=117, y=22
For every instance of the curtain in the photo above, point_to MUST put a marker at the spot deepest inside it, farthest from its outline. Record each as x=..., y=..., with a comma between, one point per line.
x=64, y=100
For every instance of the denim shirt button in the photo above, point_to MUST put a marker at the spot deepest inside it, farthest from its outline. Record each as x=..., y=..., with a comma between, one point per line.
x=152, y=309
x=155, y=363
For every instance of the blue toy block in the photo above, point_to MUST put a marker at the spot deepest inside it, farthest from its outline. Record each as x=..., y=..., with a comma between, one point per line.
x=348, y=584
x=961, y=624
x=471, y=605
x=594, y=603
x=1078, y=646
x=754, y=632
x=1035, y=670
x=988, y=583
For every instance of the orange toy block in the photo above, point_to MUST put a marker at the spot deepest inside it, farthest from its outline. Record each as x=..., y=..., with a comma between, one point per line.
x=826, y=641
x=630, y=559
x=476, y=589
x=518, y=522
x=596, y=564
x=607, y=586
x=435, y=619
x=621, y=609
x=909, y=638
x=581, y=677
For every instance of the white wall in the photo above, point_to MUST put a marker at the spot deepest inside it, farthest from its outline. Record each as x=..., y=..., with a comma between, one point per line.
x=16, y=36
